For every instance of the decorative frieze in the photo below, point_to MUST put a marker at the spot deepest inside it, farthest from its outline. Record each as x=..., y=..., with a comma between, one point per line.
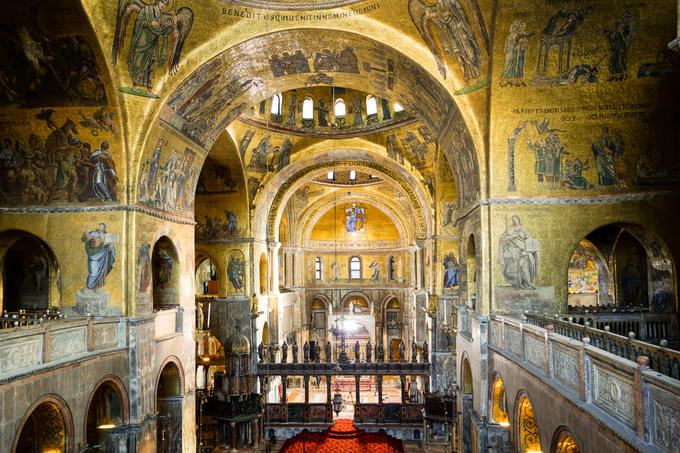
x=611, y=392
x=67, y=343
x=20, y=355
x=535, y=352
x=566, y=366
x=513, y=340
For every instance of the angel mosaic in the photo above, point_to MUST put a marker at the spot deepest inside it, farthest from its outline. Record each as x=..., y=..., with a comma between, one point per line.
x=157, y=38
x=446, y=27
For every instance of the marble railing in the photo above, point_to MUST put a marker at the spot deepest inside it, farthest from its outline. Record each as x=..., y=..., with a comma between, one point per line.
x=661, y=358
x=27, y=349
x=629, y=394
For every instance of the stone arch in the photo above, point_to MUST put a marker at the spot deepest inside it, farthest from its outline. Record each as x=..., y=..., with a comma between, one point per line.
x=442, y=114
x=55, y=405
x=563, y=441
x=294, y=176
x=112, y=416
x=526, y=435
x=356, y=294
x=29, y=273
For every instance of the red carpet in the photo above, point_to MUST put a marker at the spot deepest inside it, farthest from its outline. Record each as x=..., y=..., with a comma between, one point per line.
x=342, y=437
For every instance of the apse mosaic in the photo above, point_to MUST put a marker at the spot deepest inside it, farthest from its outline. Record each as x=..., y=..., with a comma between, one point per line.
x=557, y=139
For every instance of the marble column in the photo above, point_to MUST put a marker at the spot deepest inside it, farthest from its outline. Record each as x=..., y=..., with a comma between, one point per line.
x=357, y=381
x=380, y=389
x=306, y=378
x=284, y=389
x=273, y=284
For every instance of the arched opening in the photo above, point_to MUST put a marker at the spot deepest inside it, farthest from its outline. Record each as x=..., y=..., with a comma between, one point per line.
x=264, y=281
x=564, y=442
x=308, y=109
x=30, y=275
x=340, y=109
x=623, y=266
x=471, y=272
x=371, y=106
x=47, y=429
x=466, y=377
x=356, y=304
x=169, y=407
x=355, y=268
x=265, y=333
x=499, y=403
x=105, y=416
x=207, y=283
x=318, y=333
x=165, y=274
x=589, y=277
x=276, y=106
x=526, y=429
x=393, y=328
x=209, y=358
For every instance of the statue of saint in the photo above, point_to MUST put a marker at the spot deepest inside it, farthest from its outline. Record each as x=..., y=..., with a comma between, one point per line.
x=305, y=350
x=426, y=354
x=414, y=353
x=329, y=359
x=391, y=349
x=260, y=352
x=295, y=351
x=369, y=347
x=284, y=352
x=357, y=351
x=402, y=351
x=380, y=352
x=317, y=353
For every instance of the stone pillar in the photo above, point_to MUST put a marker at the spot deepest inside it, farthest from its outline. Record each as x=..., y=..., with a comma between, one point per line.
x=357, y=381
x=328, y=390
x=233, y=435
x=284, y=390
x=306, y=389
x=256, y=433
x=403, y=389
x=413, y=256
x=380, y=389
x=273, y=248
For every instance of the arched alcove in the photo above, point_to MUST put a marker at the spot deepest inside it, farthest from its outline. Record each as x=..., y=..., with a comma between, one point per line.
x=105, y=417
x=564, y=442
x=466, y=377
x=471, y=272
x=499, y=403
x=46, y=428
x=589, y=282
x=318, y=332
x=264, y=272
x=165, y=274
x=635, y=269
x=527, y=437
x=169, y=407
x=265, y=333
x=207, y=282
x=30, y=274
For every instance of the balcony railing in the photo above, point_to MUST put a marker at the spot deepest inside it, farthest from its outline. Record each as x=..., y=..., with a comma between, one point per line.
x=661, y=358
x=631, y=399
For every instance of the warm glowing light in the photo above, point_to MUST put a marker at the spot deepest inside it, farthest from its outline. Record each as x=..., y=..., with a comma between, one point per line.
x=106, y=426
x=350, y=326
x=504, y=424
x=206, y=359
x=51, y=450
x=534, y=451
